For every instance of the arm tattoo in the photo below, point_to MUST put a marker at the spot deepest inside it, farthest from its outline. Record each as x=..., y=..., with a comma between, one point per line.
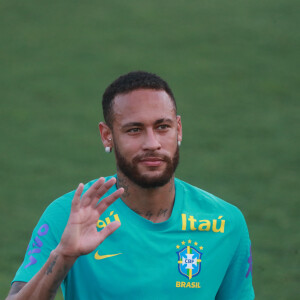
x=16, y=287
x=52, y=264
x=60, y=277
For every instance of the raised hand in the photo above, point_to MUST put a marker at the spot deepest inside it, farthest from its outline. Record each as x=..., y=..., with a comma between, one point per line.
x=80, y=235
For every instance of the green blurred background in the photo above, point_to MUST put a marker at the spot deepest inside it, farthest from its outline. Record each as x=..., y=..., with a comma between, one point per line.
x=234, y=69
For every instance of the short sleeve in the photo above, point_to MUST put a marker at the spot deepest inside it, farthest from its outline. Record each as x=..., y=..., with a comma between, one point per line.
x=45, y=237
x=237, y=282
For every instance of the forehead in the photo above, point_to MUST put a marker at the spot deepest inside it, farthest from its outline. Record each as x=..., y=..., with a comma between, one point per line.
x=143, y=105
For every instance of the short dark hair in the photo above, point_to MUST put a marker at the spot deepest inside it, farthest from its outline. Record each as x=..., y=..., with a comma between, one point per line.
x=129, y=82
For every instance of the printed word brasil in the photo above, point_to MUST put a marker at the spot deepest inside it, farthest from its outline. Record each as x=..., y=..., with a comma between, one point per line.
x=191, y=285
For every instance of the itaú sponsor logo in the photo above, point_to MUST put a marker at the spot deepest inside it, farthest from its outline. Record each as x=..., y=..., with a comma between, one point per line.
x=190, y=223
x=112, y=217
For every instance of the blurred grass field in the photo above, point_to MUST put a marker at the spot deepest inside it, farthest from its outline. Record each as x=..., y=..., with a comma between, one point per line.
x=234, y=69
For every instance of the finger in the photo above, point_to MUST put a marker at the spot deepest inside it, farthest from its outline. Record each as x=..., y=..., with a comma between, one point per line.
x=107, y=201
x=102, y=190
x=76, y=199
x=108, y=230
x=89, y=194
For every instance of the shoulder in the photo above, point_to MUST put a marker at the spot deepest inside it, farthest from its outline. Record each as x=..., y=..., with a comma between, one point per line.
x=61, y=207
x=63, y=203
x=209, y=204
x=56, y=215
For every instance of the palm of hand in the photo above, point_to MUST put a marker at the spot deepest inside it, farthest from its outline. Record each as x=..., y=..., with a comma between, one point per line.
x=81, y=236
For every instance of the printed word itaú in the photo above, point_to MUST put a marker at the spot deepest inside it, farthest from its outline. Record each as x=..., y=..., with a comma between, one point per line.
x=190, y=223
x=106, y=221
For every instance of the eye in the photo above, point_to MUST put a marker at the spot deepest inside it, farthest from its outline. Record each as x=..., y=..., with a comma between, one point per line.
x=163, y=127
x=133, y=130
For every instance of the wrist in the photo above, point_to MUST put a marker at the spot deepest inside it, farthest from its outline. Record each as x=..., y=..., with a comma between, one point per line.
x=60, y=252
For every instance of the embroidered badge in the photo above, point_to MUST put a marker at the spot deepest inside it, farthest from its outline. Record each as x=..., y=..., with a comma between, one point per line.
x=189, y=259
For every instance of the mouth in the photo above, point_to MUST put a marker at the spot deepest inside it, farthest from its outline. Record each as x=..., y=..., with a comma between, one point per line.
x=152, y=161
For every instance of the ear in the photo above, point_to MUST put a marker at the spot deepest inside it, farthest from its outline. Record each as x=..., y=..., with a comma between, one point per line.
x=179, y=128
x=106, y=135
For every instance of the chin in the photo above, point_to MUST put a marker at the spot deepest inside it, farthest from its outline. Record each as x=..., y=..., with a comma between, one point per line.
x=151, y=181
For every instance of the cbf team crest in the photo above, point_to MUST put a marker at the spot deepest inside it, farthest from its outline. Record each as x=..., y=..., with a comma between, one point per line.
x=189, y=259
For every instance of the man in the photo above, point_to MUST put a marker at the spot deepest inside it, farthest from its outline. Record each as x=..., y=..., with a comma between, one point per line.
x=176, y=241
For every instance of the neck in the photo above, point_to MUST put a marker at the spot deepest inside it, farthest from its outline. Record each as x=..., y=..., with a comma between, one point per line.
x=154, y=204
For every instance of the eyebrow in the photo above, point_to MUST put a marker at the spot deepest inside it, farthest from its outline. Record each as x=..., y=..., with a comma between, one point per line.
x=165, y=120
x=139, y=124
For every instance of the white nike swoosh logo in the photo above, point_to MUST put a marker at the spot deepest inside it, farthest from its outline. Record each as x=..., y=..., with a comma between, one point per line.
x=98, y=257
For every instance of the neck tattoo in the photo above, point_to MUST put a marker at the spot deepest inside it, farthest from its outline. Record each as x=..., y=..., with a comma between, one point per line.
x=121, y=182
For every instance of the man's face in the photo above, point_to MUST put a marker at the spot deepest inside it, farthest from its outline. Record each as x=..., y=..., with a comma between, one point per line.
x=146, y=131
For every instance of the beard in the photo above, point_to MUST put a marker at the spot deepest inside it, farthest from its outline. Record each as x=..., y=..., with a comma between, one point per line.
x=131, y=171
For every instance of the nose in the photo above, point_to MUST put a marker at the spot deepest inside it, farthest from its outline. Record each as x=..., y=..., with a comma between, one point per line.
x=151, y=141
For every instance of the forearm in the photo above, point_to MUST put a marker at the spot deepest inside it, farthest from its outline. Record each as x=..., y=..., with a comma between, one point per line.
x=44, y=285
x=80, y=237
